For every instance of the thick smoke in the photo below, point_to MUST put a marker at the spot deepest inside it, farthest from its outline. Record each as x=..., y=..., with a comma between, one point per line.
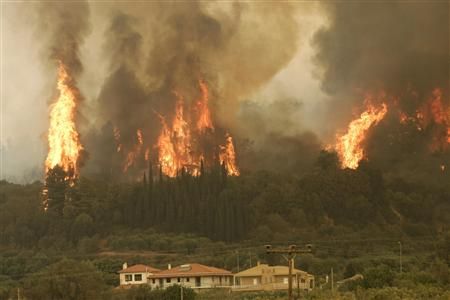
x=399, y=48
x=122, y=104
x=157, y=50
x=392, y=46
x=276, y=139
x=63, y=27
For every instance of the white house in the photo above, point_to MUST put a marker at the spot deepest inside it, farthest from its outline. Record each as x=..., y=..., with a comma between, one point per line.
x=195, y=276
x=137, y=274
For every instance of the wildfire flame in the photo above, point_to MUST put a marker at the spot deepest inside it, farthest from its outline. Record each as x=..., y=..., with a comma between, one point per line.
x=439, y=114
x=349, y=146
x=117, y=138
x=204, y=119
x=177, y=144
x=433, y=111
x=167, y=155
x=63, y=138
x=228, y=157
x=134, y=153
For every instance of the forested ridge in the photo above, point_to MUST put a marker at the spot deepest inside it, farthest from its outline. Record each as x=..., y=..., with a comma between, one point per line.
x=349, y=215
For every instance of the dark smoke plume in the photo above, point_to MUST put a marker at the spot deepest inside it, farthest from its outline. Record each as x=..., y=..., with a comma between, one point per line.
x=64, y=26
x=158, y=49
x=401, y=48
x=122, y=103
x=392, y=46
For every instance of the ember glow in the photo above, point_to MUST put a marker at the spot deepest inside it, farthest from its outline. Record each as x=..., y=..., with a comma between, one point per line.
x=350, y=145
x=440, y=115
x=117, y=138
x=433, y=115
x=63, y=138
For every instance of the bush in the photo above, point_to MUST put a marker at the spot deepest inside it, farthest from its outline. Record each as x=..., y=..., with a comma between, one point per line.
x=378, y=277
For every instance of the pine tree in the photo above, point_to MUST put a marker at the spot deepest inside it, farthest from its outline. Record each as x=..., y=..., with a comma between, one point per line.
x=56, y=187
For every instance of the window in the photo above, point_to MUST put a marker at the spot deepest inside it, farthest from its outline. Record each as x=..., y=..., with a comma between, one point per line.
x=255, y=281
x=128, y=277
x=302, y=280
x=137, y=277
x=178, y=279
x=153, y=280
x=168, y=280
x=285, y=280
x=187, y=279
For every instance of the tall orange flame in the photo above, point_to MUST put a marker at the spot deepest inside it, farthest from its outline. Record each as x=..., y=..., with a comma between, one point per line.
x=204, y=119
x=181, y=132
x=178, y=145
x=63, y=138
x=227, y=156
x=349, y=146
x=167, y=155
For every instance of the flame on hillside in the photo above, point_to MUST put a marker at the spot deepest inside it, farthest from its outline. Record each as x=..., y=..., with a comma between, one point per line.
x=433, y=115
x=178, y=145
x=134, y=153
x=228, y=156
x=63, y=138
x=350, y=146
x=204, y=115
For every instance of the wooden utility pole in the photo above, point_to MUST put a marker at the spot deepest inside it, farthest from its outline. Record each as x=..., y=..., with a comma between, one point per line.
x=332, y=282
x=289, y=254
x=237, y=253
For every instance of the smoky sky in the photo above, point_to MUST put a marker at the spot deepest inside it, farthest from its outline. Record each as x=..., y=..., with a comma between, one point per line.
x=153, y=61
x=392, y=46
x=399, y=49
x=283, y=78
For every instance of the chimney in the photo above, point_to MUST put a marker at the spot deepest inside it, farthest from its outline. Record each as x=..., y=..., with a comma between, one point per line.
x=169, y=266
x=124, y=266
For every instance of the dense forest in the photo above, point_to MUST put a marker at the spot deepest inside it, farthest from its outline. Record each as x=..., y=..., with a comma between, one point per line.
x=354, y=218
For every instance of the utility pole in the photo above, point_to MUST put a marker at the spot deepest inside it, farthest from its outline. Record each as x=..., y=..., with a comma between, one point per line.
x=237, y=253
x=401, y=263
x=332, y=282
x=289, y=254
x=181, y=287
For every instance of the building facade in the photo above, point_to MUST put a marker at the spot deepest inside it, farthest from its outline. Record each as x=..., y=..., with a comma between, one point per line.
x=265, y=277
x=194, y=276
x=135, y=275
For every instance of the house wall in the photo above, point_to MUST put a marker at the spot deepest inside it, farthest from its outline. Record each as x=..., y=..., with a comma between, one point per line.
x=124, y=282
x=205, y=281
x=249, y=280
x=274, y=282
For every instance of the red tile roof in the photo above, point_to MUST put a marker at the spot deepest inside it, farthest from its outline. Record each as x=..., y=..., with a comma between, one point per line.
x=191, y=270
x=139, y=269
